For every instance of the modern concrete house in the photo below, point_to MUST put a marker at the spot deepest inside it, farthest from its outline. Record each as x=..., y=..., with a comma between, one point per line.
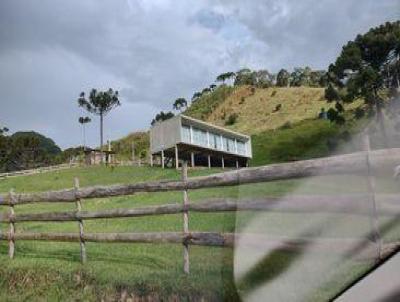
x=202, y=144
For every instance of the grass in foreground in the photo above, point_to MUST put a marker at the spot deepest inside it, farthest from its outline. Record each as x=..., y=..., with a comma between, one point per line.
x=51, y=271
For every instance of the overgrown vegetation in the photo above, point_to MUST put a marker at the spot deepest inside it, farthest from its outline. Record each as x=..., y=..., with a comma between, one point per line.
x=203, y=106
x=26, y=150
x=123, y=146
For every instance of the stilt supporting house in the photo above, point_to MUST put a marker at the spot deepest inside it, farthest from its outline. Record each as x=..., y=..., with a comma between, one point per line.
x=176, y=157
x=192, y=159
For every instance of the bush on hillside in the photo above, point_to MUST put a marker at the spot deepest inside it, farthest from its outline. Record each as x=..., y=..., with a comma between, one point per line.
x=231, y=119
x=278, y=107
x=359, y=113
x=287, y=125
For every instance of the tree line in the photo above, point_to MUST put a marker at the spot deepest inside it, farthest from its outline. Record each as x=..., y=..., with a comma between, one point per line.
x=257, y=78
x=367, y=68
x=27, y=150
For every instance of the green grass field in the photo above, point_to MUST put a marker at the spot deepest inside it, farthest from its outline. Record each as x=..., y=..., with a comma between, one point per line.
x=51, y=271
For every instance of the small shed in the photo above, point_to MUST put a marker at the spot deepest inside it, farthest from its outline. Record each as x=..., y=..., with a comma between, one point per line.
x=96, y=157
x=202, y=144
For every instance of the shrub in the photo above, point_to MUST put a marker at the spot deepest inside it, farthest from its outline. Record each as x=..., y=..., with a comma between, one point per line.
x=359, y=113
x=231, y=119
x=273, y=93
x=242, y=100
x=223, y=115
x=278, y=107
x=287, y=125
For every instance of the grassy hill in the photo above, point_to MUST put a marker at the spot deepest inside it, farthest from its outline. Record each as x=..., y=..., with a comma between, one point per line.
x=293, y=132
x=256, y=108
x=123, y=146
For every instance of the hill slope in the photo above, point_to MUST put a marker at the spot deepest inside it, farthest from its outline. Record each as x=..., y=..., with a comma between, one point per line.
x=256, y=108
x=282, y=122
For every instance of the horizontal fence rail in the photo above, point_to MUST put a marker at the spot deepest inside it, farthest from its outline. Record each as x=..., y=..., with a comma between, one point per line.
x=38, y=170
x=353, y=163
x=366, y=163
x=341, y=245
x=346, y=204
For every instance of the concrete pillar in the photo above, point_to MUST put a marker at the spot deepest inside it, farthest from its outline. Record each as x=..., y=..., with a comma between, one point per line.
x=191, y=134
x=162, y=159
x=151, y=160
x=223, y=162
x=176, y=157
x=192, y=158
x=133, y=152
x=237, y=164
x=209, y=161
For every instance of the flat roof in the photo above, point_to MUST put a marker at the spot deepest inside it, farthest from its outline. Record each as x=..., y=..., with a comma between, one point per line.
x=212, y=126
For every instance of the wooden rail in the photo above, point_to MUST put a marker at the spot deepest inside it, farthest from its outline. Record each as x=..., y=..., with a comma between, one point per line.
x=351, y=204
x=365, y=163
x=37, y=170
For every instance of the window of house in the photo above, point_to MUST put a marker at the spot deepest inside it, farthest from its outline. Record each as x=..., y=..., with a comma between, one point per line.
x=199, y=137
x=186, y=134
x=241, y=148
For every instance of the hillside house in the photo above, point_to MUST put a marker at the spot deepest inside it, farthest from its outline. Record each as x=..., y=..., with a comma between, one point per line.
x=183, y=138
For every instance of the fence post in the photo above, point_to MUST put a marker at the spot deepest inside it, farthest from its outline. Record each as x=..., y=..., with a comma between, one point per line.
x=371, y=187
x=81, y=234
x=11, y=240
x=185, y=219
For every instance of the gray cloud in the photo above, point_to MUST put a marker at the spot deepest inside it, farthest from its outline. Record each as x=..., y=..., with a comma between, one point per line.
x=154, y=52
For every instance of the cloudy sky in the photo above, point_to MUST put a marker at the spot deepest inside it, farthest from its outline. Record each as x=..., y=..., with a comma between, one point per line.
x=154, y=51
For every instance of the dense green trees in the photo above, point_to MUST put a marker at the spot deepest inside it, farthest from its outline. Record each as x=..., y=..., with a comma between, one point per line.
x=225, y=76
x=331, y=93
x=99, y=103
x=25, y=150
x=162, y=116
x=180, y=104
x=283, y=78
x=368, y=68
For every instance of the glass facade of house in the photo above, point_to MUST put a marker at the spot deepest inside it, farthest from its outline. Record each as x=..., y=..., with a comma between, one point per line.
x=196, y=136
x=186, y=134
x=241, y=148
x=199, y=137
x=215, y=141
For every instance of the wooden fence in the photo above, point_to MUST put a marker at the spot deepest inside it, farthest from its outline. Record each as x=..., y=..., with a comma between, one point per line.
x=38, y=170
x=363, y=163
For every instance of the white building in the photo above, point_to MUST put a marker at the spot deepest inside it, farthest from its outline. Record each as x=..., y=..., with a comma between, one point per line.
x=203, y=144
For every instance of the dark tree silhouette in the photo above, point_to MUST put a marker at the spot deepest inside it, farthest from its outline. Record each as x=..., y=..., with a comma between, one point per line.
x=179, y=104
x=100, y=103
x=367, y=67
x=162, y=116
x=83, y=121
